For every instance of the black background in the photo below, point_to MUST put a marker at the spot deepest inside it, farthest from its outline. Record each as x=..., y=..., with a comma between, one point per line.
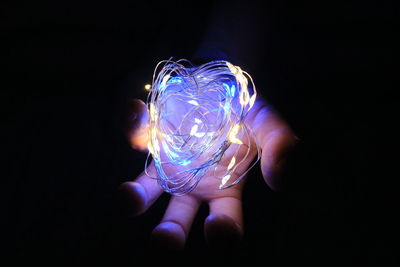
x=71, y=66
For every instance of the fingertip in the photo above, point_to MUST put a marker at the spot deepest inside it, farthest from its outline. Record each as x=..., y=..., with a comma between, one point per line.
x=275, y=154
x=137, y=106
x=221, y=231
x=168, y=236
x=135, y=197
x=135, y=124
x=273, y=176
x=136, y=114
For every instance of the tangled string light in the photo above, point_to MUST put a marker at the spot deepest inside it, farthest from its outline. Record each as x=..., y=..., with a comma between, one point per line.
x=197, y=124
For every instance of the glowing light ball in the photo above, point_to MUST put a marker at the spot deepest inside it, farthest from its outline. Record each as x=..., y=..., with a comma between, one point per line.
x=197, y=124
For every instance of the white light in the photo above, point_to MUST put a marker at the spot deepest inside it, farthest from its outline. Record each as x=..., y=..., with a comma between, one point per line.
x=194, y=129
x=224, y=180
x=232, y=163
x=165, y=80
x=233, y=90
x=232, y=135
x=153, y=112
x=193, y=102
x=252, y=100
x=200, y=134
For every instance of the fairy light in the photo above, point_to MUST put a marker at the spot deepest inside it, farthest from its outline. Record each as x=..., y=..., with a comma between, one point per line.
x=197, y=124
x=232, y=135
x=232, y=163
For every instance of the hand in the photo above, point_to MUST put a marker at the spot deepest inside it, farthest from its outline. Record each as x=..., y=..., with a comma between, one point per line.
x=225, y=222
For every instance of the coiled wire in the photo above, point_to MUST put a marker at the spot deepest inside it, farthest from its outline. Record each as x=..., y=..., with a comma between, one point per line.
x=196, y=115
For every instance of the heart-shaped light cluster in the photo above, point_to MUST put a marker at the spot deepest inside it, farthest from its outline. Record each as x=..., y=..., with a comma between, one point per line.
x=197, y=124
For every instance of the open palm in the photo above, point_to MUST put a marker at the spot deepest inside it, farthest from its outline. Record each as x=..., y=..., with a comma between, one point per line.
x=225, y=221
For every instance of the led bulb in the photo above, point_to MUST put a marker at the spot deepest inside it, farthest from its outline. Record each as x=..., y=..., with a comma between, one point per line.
x=198, y=124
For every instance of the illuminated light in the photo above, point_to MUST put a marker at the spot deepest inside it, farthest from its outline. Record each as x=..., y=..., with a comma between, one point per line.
x=168, y=138
x=185, y=162
x=228, y=89
x=153, y=112
x=193, y=102
x=224, y=180
x=252, y=101
x=232, y=68
x=153, y=145
x=175, y=79
x=168, y=151
x=227, y=107
x=156, y=146
x=244, y=96
x=200, y=134
x=232, y=135
x=147, y=87
x=196, y=114
x=194, y=129
x=150, y=148
x=233, y=90
x=165, y=80
x=232, y=163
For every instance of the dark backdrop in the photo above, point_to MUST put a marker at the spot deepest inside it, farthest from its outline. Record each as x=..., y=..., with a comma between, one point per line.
x=71, y=66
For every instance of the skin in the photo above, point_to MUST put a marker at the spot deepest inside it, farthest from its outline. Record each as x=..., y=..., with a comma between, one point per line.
x=224, y=225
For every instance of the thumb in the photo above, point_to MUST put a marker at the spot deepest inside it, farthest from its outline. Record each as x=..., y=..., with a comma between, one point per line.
x=275, y=150
x=136, y=124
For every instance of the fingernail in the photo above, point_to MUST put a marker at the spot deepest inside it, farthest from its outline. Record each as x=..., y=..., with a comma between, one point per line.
x=222, y=232
x=168, y=236
x=134, y=197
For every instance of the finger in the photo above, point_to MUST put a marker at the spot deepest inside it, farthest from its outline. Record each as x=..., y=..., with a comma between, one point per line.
x=136, y=124
x=274, y=153
x=141, y=193
x=276, y=139
x=224, y=226
x=171, y=233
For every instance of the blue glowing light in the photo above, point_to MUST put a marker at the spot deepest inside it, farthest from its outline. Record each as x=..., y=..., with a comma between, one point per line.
x=229, y=90
x=227, y=107
x=185, y=162
x=233, y=90
x=175, y=79
x=197, y=119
